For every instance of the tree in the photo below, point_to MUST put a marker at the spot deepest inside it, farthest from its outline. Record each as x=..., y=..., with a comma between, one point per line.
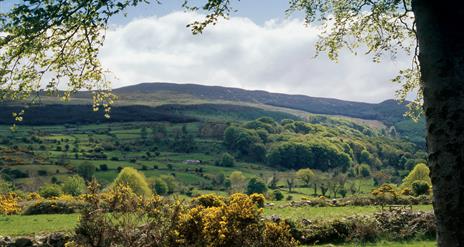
x=86, y=170
x=62, y=40
x=237, y=181
x=419, y=173
x=135, y=180
x=306, y=175
x=227, y=160
x=74, y=185
x=256, y=185
x=291, y=180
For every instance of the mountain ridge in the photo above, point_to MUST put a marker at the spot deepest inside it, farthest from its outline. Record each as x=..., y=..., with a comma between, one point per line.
x=388, y=111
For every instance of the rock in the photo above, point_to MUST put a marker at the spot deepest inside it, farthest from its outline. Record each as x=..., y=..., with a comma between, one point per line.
x=57, y=239
x=23, y=242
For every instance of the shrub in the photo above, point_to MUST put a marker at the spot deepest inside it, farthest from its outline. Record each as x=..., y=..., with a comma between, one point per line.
x=256, y=185
x=9, y=204
x=103, y=167
x=227, y=160
x=236, y=223
x=208, y=200
x=135, y=180
x=364, y=170
x=159, y=186
x=50, y=190
x=420, y=188
x=278, y=195
x=258, y=199
x=53, y=207
x=74, y=185
x=420, y=172
x=156, y=221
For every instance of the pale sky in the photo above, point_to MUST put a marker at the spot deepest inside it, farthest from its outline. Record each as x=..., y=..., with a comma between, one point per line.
x=258, y=48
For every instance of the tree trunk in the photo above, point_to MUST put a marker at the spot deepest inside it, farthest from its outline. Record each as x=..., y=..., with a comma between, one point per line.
x=441, y=41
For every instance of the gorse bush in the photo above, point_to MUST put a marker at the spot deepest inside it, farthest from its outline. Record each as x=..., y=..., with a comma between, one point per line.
x=209, y=220
x=9, y=204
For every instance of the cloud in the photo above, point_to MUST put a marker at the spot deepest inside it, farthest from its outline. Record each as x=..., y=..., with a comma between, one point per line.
x=276, y=56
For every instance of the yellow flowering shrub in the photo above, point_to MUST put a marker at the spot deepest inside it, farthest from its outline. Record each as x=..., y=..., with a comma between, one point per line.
x=209, y=200
x=258, y=199
x=33, y=196
x=236, y=222
x=386, y=193
x=9, y=204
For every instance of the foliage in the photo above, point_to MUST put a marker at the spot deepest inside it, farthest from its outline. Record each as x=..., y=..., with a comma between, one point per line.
x=237, y=181
x=74, y=185
x=9, y=204
x=208, y=200
x=86, y=170
x=54, y=206
x=227, y=160
x=306, y=175
x=277, y=195
x=321, y=156
x=159, y=186
x=420, y=172
x=155, y=221
x=134, y=180
x=50, y=190
x=256, y=185
x=420, y=187
x=236, y=223
x=392, y=225
x=364, y=170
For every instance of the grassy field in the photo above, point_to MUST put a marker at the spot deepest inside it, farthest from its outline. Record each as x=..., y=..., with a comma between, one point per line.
x=22, y=225
x=391, y=244
x=34, y=224
x=296, y=213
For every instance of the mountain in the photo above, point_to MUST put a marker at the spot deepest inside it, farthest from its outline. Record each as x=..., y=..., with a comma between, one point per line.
x=389, y=111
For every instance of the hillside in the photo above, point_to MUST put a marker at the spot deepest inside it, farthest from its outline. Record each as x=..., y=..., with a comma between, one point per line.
x=388, y=111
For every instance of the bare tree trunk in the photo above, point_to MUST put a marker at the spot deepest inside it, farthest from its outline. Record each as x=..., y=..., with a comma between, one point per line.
x=441, y=41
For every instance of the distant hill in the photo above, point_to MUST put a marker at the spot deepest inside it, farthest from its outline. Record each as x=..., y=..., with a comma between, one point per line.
x=389, y=111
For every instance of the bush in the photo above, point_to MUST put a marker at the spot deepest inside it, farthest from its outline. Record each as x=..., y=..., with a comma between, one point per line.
x=50, y=190
x=74, y=185
x=258, y=199
x=420, y=188
x=227, y=160
x=256, y=185
x=9, y=204
x=278, y=195
x=135, y=180
x=103, y=167
x=208, y=200
x=53, y=207
x=159, y=186
x=156, y=221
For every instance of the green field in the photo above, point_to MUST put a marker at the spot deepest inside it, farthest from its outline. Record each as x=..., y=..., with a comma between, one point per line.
x=25, y=225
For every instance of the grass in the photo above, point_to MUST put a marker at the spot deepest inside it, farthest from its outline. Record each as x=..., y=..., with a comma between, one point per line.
x=296, y=213
x=23, y=225
x=429, y=243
